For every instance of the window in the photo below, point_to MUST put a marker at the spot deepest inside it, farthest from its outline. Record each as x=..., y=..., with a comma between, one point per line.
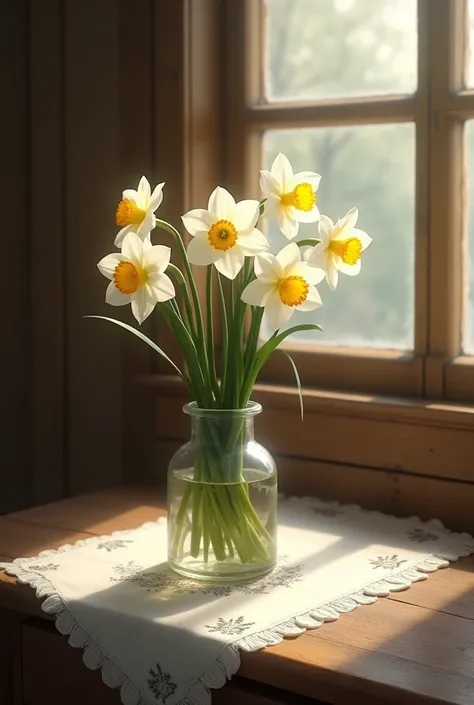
x=378, y=97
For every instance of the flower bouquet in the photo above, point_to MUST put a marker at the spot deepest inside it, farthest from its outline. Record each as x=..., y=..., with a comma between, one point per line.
x=219, y=527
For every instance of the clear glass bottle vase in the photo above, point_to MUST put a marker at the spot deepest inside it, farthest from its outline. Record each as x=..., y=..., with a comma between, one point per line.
x=222, y=498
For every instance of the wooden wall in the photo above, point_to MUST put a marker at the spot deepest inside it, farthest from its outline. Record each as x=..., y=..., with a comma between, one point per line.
x=78, y=125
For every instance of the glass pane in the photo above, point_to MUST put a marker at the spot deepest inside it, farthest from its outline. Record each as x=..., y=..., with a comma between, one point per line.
x=468, y=327
x=371, y=167
x=469, y=67
x=329, y=48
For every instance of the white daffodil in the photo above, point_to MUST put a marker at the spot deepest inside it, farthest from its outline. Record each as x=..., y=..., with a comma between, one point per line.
x=340, y=248
x=225, y=233
x=135, y=212
x=137, y=276
x=291, y=198
x=284, y=284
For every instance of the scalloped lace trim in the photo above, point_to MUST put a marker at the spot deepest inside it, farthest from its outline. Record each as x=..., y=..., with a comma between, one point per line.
x=228, y=661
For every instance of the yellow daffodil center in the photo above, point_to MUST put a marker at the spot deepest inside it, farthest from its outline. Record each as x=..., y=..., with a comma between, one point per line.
x=348, y=250
x=293, y=290
x=128, y=213
x=302, y=197
x=128, y=277
x=222, y=235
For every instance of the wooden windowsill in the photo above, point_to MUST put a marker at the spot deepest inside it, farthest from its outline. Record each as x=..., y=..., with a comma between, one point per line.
x=414, y=647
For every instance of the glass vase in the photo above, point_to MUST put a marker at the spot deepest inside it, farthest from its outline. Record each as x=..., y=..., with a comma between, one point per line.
x=222, y=498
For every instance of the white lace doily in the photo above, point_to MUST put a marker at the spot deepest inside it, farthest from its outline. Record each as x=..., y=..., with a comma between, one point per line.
x=165, y=639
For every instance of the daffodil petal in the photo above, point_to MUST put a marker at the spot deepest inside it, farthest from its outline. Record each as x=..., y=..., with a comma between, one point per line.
x=345, y=225
x=307, y=177
x=288, y=257
x=146, y=226
x=142, y=305
x=114, y=297
x=283, y=172
x=163, y=288
x=132, y=248
x=326, y=227
x=222, y=203
x=200, y=251
x=332, y=276
x=230, y=263
x=143, y=192
x=312, y=301
x=252, y=243
x=158, y=257
x=317, y=257
x=289, y=225
x=131, y=194
x=311, y=216
x=267, y=268
x=269, y=184
x=198, y=220
x=119, y=238
x=272, y=207
x=107, y=264
x=257, y=293
x=350, y=269
x=277, y=313
x=362, y=236
x=156, y=197
x=312, y=275
x=245, y=216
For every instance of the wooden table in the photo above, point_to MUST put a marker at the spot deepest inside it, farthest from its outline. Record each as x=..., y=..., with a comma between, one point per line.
x=415, y=647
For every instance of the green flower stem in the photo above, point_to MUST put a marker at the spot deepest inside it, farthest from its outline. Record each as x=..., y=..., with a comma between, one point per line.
x=178, y=275
x=210, y=333
x=225, y=331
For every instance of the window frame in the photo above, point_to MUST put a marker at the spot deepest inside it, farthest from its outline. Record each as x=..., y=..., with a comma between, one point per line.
x=435, y=367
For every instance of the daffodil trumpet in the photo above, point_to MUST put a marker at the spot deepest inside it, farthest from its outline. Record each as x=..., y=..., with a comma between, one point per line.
x=247, y=287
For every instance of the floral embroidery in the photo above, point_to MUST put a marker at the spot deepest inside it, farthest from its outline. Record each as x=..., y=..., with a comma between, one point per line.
x=230, y=627
x=161, y=684
x=114, y=544
x=45, y=566
x=387, y=562
x=421, y=535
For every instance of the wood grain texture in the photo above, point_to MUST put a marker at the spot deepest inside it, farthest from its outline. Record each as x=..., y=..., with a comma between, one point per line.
x=415, y=647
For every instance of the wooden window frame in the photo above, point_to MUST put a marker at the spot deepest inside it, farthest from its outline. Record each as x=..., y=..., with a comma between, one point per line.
x=435, y=367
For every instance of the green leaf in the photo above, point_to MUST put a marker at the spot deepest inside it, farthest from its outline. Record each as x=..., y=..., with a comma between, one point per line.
x=146, y=340
x=298, y=381
x=262, y=206
x=309, y=242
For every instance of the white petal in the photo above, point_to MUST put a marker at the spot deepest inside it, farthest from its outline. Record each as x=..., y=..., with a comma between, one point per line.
x=288, y=223
x=283, y=173
x=252, y=243
x=246, y=215
x=269, y=185
x=317, y=256
x=157, y=258
x=307, y=177
x=267, y=268
x=257, y=293
x=108, y=264
x=198, y=220
x=351, y=269
x=362, y=236
x=156, y=197
x=288, y=257
x=326, y=227
x=146, y=226
x=230, y=263
x=200, y=251
x=222, y=203
x=313, y=300
x=121, y=235
x=131, y=194
x=311, y=216
x=277, y=313
x=310, y=274
x=331, y=274
x=142, y=305
x=163, y=288
x=114, y=297
x=144, y=192
x=272, y=207
x=345, y=225
x=132, y=248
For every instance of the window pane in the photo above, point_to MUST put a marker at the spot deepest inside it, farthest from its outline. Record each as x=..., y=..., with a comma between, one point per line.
x=329, y=48
x=468, y=327
x=371, y=167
